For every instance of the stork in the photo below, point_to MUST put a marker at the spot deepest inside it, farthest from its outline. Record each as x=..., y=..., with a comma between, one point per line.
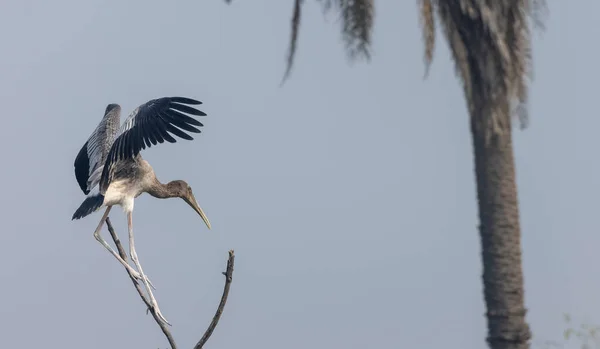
x=110, y=170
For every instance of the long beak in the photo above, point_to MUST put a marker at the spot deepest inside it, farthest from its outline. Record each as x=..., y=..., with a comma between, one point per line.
x=191, y=200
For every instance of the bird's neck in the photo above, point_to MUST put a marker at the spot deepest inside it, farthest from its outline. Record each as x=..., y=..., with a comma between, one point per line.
x=160, y=190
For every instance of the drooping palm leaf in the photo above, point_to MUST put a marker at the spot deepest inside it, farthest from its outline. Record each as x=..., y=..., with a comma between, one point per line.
x=490, y=44
x=357, y=25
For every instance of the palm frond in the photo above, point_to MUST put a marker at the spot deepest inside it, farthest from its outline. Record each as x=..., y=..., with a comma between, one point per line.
x=428, y=27
x=357, y=26
x=293, y=39
x=357, y=17
x=490, y=44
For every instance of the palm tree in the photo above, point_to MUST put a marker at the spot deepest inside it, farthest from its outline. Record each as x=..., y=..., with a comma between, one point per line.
x=490, y=44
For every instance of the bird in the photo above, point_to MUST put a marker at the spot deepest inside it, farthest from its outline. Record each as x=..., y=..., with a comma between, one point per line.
x=111, y=171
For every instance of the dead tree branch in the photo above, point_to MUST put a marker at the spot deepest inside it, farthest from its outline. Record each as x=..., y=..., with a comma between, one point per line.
x=228, y=278
x=163, y=327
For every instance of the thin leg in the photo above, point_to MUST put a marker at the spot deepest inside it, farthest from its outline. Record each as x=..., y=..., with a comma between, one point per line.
x=107, y=246
x=135, y=260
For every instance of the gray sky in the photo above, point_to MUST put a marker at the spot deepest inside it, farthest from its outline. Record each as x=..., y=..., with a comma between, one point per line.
x=348, y=194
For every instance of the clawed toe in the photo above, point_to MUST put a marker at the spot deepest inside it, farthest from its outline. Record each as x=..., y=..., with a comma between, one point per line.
x=161, y=317
x=138, y=277
x=150, y=283
x=158, y=313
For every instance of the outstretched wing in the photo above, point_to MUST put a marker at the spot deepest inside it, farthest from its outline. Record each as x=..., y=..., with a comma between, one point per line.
x=148, y=125
x=92, y=155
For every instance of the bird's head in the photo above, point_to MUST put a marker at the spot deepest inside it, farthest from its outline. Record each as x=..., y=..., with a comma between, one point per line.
x=181, y=189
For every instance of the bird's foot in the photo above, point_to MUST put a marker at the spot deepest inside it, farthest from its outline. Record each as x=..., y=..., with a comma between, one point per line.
x=153, y=303
x=138, y=277
x=159, y=314
x=149, y=282
x=154, y=306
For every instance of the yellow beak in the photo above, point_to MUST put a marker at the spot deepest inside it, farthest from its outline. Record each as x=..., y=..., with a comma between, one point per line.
x=191, y=200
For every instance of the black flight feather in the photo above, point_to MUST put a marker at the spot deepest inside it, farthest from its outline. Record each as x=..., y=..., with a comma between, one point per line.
x=88, y=206
x=153, y=123
x=82, y=168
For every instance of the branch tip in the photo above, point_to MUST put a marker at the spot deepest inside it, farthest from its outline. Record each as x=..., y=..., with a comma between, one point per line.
x=149, y=309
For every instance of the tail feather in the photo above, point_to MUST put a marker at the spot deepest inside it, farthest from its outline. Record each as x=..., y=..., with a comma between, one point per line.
x=91, y=204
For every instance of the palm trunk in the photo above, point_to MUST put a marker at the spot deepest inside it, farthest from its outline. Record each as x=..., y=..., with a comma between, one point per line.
x=500, y=240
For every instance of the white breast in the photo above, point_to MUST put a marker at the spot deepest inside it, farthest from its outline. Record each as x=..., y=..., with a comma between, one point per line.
x=120, y=193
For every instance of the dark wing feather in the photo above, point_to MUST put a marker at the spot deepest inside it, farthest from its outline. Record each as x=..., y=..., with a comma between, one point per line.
x=93, y=154
x=82, y=168
x=151, y=123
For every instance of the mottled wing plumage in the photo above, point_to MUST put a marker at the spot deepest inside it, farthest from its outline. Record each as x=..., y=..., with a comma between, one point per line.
x=92, y=156
x=149, y=124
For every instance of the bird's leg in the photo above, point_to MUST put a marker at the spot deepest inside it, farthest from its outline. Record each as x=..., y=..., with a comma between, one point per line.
x=135, y=260
x=99, y=238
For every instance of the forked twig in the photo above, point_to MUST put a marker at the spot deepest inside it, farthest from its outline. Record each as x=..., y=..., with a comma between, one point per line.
x=228, y=278
x=163, y=327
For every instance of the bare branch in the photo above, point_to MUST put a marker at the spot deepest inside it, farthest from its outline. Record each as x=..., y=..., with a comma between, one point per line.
x=162, y=326
x=228, y=278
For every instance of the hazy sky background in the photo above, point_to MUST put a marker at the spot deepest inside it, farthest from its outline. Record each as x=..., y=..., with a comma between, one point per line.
x=348, y=194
